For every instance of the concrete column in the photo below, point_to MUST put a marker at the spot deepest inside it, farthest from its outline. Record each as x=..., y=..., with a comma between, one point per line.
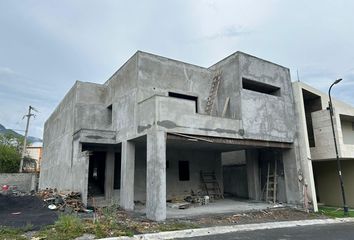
x=291, y=174
x=127, y=176
x=302, y=143
x=156, y=176
x=254, y=188
x=109, y=176
x=79, y=170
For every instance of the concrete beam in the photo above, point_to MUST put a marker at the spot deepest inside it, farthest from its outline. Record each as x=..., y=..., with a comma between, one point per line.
x=231, y=141
x=109, y=175
x=127, y=175
x=156, y=176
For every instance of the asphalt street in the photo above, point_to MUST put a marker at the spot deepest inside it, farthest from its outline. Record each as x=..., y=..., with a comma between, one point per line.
x=315, y=232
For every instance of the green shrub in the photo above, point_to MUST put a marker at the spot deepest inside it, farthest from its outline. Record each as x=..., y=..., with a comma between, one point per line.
x=9, y=159
x=67, y=227
x=11, y=233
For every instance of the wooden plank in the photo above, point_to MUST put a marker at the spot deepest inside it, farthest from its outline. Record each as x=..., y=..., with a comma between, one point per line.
x=225, y=106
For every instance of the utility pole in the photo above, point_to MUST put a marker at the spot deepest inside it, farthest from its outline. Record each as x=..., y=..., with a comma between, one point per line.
x=29, y=115
x=339, y=167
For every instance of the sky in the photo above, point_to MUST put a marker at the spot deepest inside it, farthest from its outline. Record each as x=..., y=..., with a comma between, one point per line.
x=46, y=45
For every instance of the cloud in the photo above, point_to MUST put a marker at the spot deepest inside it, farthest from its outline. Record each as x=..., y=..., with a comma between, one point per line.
x=229, y=32
x=6, y=71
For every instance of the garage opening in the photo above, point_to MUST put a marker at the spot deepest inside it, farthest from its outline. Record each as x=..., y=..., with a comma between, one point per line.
x=96, y=178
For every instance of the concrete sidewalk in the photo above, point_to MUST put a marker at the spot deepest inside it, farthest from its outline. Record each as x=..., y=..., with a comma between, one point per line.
x=230, y=229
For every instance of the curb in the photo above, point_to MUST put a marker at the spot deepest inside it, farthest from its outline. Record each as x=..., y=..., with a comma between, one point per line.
x=198, y=232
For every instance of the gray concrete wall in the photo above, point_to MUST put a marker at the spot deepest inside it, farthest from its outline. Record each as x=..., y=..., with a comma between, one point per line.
x=58, y=145
x=230, y=86
x=322, y=129
x=253, y=174
x=24, y=182
x=123, y=80
x=234, y=158
x=159, y=75
x=198, y=160
x=235, y=180
x=156, y=111
x=267, y=117
x=91, y=110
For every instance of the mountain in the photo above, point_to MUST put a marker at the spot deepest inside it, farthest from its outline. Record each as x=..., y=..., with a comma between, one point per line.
x=30, y=139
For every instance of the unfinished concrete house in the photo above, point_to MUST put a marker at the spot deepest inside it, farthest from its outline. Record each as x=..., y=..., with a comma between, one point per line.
x=159, y=128
x=316, y=138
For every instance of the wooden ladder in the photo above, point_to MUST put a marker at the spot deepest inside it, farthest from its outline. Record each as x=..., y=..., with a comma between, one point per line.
x=213, y=92
x=211, y=185
x=271, y=185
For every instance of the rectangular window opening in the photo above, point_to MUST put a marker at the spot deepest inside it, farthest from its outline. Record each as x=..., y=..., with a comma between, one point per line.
x=347, y=126
x=260, y=87
x=186, y=97
x=183, y=168
x=109, y=108
x=312, y=103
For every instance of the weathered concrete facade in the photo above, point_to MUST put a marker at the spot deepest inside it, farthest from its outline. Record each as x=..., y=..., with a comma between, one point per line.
x=151, y=117
x=317, y=144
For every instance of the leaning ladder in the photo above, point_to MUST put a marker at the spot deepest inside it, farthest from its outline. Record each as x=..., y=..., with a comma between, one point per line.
x=210, y=184
x=271, y=186
x=213, y=92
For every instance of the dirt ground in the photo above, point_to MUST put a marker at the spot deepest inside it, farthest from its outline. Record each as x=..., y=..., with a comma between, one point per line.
x=140, y=224
x=25, y=211
x=32, y=212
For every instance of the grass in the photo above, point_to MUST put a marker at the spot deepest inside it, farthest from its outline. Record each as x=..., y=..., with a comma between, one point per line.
x=334, y=212
x=11, y=234
x=175, y=226
x=108, y=224
x=7, y=233
x=67, y=227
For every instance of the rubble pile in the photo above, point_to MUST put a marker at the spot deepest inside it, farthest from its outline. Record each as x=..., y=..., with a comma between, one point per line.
x=62, y=200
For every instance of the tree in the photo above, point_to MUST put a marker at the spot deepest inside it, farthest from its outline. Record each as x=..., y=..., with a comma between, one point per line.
x=10, y=139
x=9, y=159
x=10, y=153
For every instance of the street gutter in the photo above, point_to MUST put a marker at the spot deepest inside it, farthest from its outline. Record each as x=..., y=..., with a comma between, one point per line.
x=231, y=229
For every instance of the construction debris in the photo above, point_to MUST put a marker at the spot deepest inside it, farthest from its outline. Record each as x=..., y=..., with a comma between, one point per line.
x=13, y=191
x=181, y=205
x=62, y=200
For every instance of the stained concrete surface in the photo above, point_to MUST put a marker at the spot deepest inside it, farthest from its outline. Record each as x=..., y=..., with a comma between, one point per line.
x=218, y=207
x=22, y=211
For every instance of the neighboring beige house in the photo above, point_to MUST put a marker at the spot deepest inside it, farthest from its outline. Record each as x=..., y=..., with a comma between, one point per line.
x=35, y=152
x=316, y=137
